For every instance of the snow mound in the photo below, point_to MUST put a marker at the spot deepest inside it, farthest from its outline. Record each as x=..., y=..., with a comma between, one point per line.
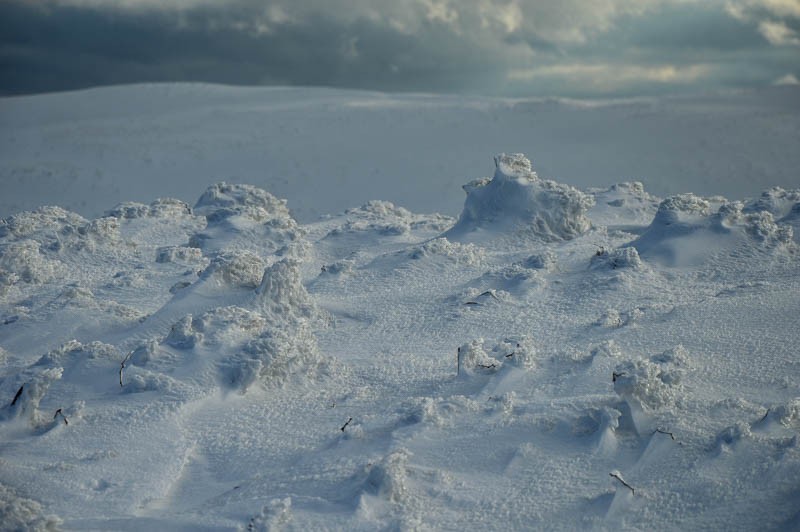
x=783, y=205
x=613, y=318
x=285, y=345
x=31, y=243
x=649, y=384
x=58, y=230
x=20, y=513
x=623, y=205
x=275, y=515
x=545, y=260
x=30, y=393
x=468, y=254
x=688, y=230
x=517, y=201
x=281, y=293
x=44, y=220
x=244, y=217
x=476, y=357
x=787, y=414
x=224, y=200
x=777, y=201
x=385, y=219
x=617, y=259
x=235, y=268
x=388, y=479
x=160, y=208
x=168, y=254
x=23, y=261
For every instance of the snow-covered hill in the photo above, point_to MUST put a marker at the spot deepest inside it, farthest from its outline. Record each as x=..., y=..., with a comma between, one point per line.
x=554, y=358
x=328, y=150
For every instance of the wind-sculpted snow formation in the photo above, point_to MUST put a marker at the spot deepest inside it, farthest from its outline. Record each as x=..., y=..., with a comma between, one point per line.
x=555, y=358
x=516, y=200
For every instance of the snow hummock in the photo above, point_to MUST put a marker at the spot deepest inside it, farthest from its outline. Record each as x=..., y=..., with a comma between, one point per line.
x=687, y=228
x=517, y=201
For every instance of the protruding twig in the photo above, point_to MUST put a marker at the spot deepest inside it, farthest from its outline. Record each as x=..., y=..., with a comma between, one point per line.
x=765, y=415
x=511, y=354
x=345, y=425
x=122, y=367
x=671, y=435
x=472, y=303
x=490, y=366
x=489, y=293
x=616, y=476
x=458, y=362
x=19, y=392
x=615, y=376
x=59, y=412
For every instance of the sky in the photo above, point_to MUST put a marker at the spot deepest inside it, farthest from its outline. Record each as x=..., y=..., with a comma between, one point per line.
x=516, y=48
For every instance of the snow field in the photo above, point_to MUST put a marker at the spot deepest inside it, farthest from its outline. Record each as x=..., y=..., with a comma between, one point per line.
x=555, y=358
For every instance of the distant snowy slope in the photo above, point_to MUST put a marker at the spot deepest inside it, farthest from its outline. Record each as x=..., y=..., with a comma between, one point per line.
x=325, y=149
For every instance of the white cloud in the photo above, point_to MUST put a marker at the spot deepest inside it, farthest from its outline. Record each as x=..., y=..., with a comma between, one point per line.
x=608, y=77
x=788, y=79
x=778, y=33
x=745, y=9
x=440, y=11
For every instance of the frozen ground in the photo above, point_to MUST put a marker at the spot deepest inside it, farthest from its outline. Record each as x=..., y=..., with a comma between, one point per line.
x=553, y=358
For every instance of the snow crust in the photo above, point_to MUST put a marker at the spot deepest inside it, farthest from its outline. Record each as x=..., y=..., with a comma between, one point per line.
x=555, y=358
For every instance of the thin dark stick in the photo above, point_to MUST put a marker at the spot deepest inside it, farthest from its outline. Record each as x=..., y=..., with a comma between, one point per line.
x=623, y=482
x=665, y=432
x=19, y=392
x=345, y=425
x=62, y=416
x=122, y=367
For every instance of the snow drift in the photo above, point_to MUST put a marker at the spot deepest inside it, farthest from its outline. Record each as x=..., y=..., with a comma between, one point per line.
x=688, y=229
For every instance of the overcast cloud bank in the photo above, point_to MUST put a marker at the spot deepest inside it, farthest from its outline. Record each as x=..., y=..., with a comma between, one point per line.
x=498, y=47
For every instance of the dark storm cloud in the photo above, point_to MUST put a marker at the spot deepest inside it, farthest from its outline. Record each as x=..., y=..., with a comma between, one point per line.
x=691, y=27
x=66, y=47
x=491, y=46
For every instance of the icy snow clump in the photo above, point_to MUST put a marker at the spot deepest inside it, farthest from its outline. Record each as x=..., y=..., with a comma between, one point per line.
x=19, y=513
